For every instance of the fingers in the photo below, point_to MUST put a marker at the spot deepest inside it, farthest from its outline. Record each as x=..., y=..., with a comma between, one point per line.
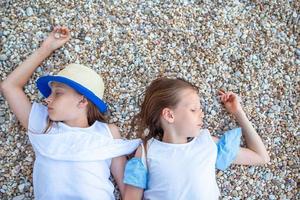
x=221, y=91
x=65, y=32
x=230, y=96
x=61, y=32
x=226, y=96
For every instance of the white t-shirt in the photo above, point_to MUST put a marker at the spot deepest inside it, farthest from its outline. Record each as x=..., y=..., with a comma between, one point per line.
x=73, y=163
x=182, y=171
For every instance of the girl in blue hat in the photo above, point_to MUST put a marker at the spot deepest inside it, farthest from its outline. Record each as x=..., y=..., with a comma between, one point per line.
x=177, y=158
x=76, y=149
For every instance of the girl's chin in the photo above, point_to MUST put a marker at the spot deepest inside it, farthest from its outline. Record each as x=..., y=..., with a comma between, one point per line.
x=196, y=134
x=53, y=118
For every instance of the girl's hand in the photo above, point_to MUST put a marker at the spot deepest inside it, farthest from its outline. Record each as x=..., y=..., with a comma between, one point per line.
x=231, y=102
x=57, y=38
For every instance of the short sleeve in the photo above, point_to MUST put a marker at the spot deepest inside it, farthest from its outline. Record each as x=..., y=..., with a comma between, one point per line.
x=136, y=173
x=37, y=118
x=228, y=148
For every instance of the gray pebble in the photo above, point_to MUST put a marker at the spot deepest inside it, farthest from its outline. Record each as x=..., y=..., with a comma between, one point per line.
x=251, y=170
x=29, y=11
x=272, y=197
x=21, y=187
x=20, y=197
x=297, y=52
x=2, y=120
x=77, y=48
x=3, y=57
x=277, y=140
x=6, y=32
x=268, y=176
x=88, y=39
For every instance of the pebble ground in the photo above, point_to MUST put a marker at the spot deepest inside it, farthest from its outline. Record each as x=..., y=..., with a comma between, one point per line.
x=249, y=47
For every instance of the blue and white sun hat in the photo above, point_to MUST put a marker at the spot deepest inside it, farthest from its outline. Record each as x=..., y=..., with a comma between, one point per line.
x=79, y=77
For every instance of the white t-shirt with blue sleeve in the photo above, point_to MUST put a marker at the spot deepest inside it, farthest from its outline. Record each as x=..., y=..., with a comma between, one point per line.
x=73, y=163
x=183, y=171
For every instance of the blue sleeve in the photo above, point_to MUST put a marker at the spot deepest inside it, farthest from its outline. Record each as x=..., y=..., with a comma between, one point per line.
x=135, y=173
x=228, y=148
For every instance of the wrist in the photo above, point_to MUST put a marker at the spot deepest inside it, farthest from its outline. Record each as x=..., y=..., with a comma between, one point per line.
x=241, y=117
x=45, y=51
x=239, y=113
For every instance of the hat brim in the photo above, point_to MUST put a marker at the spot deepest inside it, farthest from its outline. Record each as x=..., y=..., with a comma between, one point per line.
x=44, y=87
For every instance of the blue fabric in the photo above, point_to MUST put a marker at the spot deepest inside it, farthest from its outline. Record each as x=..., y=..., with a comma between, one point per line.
x=43, y=86
x=135, y=173
x=228, y=148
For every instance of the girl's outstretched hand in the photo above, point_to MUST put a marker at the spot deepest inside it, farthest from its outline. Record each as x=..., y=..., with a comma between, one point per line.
x=57, y=38
x=231, y=102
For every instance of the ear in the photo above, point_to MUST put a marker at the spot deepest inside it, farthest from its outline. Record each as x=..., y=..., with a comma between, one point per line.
x=83, y=102
x=168, y=115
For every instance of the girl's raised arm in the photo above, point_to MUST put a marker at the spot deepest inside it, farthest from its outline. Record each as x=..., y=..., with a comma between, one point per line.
x=255, y=153
x=12, y=86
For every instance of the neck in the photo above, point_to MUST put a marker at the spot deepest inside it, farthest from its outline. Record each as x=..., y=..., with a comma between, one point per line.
x=171, y=137
x=171, y=134
x=80, y=123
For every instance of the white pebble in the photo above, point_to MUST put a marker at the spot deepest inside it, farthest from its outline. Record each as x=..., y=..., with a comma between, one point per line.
x=29, y=11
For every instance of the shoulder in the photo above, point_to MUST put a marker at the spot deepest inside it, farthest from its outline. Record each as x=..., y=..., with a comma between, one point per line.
x=114, y=131
x=205, y=135
x=39, y=108
x=38, y=118
x=138, y=152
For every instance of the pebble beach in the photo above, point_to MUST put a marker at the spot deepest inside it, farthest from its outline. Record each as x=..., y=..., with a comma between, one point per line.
x=249, y=47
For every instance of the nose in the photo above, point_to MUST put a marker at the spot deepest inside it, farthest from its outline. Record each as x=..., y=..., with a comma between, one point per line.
x=201, y=114
x=48, y=100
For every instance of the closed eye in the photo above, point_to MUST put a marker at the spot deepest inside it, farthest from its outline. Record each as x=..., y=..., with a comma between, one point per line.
x=57, y=93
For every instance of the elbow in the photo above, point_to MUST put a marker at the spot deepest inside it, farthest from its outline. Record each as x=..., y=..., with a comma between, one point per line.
x=265, y=159
x=6, y=86
x=3, y=87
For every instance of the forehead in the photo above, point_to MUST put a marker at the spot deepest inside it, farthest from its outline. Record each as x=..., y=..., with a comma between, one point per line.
x=189, y=97
x=57, y=85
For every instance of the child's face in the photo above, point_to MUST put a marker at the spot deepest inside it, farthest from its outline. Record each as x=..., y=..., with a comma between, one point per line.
x=64, y=104
x=188, y=114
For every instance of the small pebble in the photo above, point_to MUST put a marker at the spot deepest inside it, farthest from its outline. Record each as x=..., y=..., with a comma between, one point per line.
x=272, y=197
x=88, y=39
x=29, y=11
x=298, y=52
x=77, y=48
x=3, y=57
x=20, y=197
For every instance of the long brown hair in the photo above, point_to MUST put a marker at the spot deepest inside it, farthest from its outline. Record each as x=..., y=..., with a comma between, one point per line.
x=93, y=114
x=161, y=93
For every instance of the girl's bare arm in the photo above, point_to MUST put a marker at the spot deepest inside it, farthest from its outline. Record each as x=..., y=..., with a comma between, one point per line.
x=131, y=192
x=118, y=163
x=12, y=86
x=255, y=153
